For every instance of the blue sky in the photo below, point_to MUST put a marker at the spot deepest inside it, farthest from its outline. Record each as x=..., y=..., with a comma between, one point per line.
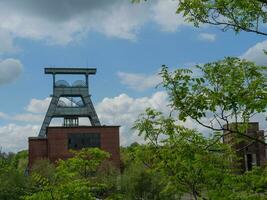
x=126, y=43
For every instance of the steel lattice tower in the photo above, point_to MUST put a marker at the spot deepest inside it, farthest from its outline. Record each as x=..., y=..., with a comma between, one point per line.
x=61, y=89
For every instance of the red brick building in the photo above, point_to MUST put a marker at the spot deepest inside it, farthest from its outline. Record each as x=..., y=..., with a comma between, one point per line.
x=60, y=140
x=249, y=152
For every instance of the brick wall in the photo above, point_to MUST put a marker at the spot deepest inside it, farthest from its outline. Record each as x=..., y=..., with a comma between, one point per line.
x=56, y=145
x=246, y=146
x=37, y=149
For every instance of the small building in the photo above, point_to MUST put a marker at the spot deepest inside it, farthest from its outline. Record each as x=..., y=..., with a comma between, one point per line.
x=72, y=102
x=249, y=152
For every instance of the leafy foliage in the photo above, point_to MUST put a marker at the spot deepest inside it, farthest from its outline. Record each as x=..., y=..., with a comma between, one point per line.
x=229, y=90
x=249, y=186
x=182, y=157
x=236, y=15
x=187, y=166
x=175, y=165
x=84, y=163
x=138, y=180
x=13, y=182
x=73, y=178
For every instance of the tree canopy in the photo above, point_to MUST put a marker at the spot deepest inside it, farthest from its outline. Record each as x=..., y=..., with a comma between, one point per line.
x=180, y=156
x=222, y=92
x=236, y=15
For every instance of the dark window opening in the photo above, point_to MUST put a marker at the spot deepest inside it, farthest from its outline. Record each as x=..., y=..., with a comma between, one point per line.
x=83, y=140
x=249, y=162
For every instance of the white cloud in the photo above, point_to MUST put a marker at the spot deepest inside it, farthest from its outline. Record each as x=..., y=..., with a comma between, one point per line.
x=256, y=54
x=3, y=115
x=6, y=42
x=14, y=137
x=124, y=110
x=64, y=22
x=10, y=69
x=27, y=117
x=38, y=105
x=23, y=117
x=121, y=21
x=164, y=14
x=121, y=110
x=139, y=82
x=36, y=110
x=207, y=37
x=61, y=22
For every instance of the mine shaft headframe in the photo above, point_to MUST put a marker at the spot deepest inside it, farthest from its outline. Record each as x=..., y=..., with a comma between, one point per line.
x=62, y=88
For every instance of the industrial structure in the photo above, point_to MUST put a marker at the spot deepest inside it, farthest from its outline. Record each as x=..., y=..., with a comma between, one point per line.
x=72, y=102
x=249, y=152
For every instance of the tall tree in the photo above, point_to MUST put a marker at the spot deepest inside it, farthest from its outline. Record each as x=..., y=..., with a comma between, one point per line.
x=225, y=91
x=182, y=158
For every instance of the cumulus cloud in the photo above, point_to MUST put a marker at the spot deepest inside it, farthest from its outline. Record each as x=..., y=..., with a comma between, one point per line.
x=36, y=110
x=15, y=137
x=139, y=82
x=207, y=37
x=164, y=14
x=3, y=115
x=6, y=42
x=123, y=110
x=121, y=21
x=38, y=105
x=10, y=69
x=61, y=22
x=27, y=117
x=23, y=117
x=256, y=53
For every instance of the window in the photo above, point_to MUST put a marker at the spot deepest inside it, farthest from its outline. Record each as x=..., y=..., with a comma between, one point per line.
x=251, y=160
x=248, y=162
x=78, y=141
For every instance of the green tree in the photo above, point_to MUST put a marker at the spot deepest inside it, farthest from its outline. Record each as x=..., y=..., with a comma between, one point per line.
x=43, y=167
x=251, y=185
x=84, y=163
x=181, y=157
x=73, y=179
x=236, y=15
x=139, y=181
x=225, y=91
x=14, y=183
x=72, y=190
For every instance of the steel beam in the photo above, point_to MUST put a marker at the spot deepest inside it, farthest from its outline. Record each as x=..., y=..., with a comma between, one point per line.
x=72, y=71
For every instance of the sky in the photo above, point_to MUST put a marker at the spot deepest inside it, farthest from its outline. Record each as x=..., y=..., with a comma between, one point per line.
x=127, y=43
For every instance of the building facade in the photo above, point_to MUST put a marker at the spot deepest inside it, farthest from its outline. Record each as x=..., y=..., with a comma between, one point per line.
x=60, y=140
x=249, y=152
